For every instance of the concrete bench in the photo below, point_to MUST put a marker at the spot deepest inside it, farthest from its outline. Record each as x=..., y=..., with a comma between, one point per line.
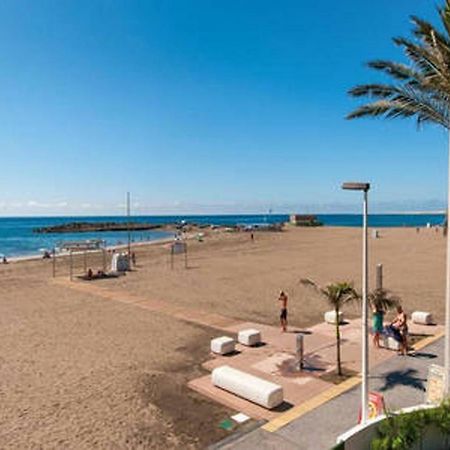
x=390, y=343
x=422, y=317
x=259, y=391
x=330, y=317
x=249, y=337
x=222, y=345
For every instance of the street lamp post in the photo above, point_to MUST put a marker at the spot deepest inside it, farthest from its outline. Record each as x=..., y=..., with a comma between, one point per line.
x=364, y=187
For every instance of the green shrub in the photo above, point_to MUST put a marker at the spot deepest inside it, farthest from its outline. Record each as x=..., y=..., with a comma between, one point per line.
x=401, y=431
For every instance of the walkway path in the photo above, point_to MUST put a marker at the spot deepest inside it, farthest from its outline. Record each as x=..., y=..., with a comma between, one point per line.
x=188, y=314
x=400, y=379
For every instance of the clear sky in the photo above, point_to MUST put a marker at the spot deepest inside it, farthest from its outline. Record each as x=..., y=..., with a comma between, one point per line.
x=204, y=106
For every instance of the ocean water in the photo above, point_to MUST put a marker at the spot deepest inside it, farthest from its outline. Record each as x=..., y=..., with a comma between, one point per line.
x=18, y=239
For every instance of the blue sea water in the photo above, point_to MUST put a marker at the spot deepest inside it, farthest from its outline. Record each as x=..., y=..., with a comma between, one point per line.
x=18, y=239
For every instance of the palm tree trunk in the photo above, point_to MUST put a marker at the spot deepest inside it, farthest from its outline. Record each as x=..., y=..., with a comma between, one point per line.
x=338, y=343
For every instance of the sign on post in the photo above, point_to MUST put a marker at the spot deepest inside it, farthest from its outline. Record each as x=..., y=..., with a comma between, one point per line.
x=435, y=392
x=376, y=406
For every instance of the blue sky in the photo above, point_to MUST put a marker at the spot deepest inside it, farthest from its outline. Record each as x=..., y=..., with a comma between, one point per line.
x=204, y=107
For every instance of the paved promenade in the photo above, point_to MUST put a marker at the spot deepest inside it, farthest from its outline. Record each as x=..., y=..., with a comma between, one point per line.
x=315, y=410
x=401, y=380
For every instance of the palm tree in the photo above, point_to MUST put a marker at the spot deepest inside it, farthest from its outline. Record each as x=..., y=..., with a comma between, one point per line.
x=382, y=299
x=337, y=294
x=420, y=90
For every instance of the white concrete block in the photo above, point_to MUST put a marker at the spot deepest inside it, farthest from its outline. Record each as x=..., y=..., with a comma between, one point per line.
x=422, y=317
x=222, y=345
x=259, y=391
x=249, y=337
x=330, y=317
x=390, y=343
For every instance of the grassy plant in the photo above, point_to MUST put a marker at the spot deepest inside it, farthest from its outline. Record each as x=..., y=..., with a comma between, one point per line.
x=337, y=294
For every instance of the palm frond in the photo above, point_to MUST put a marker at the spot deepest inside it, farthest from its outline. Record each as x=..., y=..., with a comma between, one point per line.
x=383, y=299
x=311, y=284
x=337, y=294
x=398, y=71
x=444, y=14
x=420, y=89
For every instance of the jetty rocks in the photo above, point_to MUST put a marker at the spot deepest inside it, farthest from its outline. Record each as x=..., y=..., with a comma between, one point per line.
x=80, y=227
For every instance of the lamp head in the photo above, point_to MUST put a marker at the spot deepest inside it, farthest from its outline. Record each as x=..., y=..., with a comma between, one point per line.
x=354, y=186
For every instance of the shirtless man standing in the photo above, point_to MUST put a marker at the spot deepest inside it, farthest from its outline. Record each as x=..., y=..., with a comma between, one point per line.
x=283, y=298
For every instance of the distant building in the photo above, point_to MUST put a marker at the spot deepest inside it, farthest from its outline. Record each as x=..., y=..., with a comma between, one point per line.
x=301, y=220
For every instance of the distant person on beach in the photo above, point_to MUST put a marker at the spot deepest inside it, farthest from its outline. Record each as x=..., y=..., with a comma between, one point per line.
x=399, y=328
x=377, y=325
x=252, y=237
x=133, y=258
x=4, y=260
x=283, y=299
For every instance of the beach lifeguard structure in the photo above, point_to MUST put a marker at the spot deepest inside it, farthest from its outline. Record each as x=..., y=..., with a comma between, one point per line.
x=304, y=220
x=178, y=247
x=85, y=249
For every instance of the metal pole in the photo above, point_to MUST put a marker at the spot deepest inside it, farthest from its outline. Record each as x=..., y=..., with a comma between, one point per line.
x=128, y=227
x=379, y=284
x=71, y=266
x=447, y=291
x=104, y=259
x=299, y=350
x=365, y=334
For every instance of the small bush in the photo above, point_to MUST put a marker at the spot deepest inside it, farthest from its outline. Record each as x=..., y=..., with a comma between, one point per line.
x=401, y=431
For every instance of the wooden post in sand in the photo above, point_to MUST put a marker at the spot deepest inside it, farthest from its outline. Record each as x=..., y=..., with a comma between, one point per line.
x=85, y=261
x=379, y=280
x=54, y=262
x=71, y=265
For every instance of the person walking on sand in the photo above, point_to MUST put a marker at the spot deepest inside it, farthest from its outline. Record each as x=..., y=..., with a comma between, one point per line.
x=283, y=299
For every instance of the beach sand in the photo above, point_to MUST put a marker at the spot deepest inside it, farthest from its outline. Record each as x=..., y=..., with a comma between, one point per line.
x=78, y=370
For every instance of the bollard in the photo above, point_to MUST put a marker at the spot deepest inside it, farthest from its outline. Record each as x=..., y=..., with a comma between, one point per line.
x=300, y=350
x=379, y=282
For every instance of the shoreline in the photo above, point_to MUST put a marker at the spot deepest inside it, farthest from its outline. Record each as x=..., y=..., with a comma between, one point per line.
x=34, y=257
x=37, y=256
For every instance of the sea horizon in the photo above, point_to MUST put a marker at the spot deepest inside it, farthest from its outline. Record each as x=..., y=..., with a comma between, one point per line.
x=382, y=213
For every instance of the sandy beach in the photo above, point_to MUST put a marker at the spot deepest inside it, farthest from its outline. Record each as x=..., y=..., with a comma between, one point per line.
x=78, y=370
